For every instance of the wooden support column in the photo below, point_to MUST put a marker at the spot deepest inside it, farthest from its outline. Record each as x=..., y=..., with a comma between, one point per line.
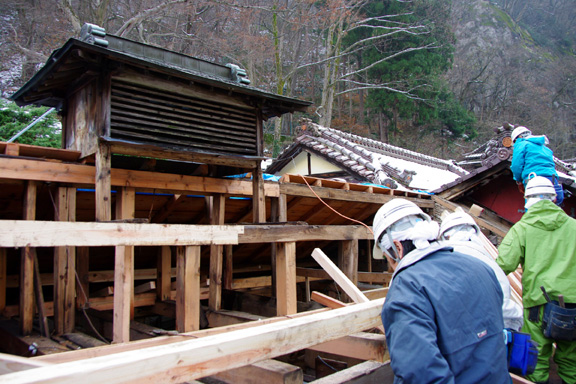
x=124, y=272
x=164, y=275
x=348, y=259
x=27, y=266
x=2, y=279
x=228, y=275
x=103, y=192
x=258, y=197
x=286, y=279
x=65, y=267
x=123, y=293
x=83, y=270
x=216, y=257
x=188, y=288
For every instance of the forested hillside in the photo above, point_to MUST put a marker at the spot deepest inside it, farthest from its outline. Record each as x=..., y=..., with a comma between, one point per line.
x=435, y=76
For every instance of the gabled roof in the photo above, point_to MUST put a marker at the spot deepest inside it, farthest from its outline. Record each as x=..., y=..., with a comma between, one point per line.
x=79, y=58
x=370, y=160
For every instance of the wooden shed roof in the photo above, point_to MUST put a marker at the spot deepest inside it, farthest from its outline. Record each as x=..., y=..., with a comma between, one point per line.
x=78, y=60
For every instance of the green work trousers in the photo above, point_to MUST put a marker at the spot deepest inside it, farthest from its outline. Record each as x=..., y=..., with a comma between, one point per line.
x=564, y=356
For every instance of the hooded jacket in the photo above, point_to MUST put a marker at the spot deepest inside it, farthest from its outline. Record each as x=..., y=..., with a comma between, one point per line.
x=532, y=155
x=543, y=242
x=443, y=320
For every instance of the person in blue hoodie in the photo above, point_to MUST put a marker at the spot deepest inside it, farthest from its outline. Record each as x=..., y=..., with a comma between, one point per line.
x=531, y=157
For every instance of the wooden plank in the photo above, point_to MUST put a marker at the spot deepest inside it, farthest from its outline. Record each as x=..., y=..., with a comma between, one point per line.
x=27, y=264
x=125, y=210
x=103, y=183
x=351, y=290
x=42, y=316
x=361, y=346
x=13, y=363
x=519, y=379
x=258, y=196
x=188, y=288
x=26, y=308
x=297, y=233
x=286, y=303
x=3, y=279
x=348, y=259
x=350, y=196
x=216, y=255
x=18, y=233
x=148, y=286
x=267, y=371
x=196, y=157
x=197, y=358
x=326, y=300
x=367, y=372
x=164, y=275
x=123, y=293
x=339, y=277
x=65, y=266
x=228, y=274
x=374, y=294
x=225, y=321
x=28, y=169
x=83, y=270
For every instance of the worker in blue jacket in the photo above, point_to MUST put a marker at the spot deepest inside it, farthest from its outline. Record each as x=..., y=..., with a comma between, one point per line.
x=531, y=157
x=443, y=312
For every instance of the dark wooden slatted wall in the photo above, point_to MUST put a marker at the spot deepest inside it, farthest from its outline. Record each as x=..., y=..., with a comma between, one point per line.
x=149, y=116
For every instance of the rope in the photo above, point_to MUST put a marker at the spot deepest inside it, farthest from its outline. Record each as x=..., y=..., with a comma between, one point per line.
x=335, y=211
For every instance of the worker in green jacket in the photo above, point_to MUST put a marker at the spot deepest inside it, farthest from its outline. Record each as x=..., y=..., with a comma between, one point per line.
x=543, y=242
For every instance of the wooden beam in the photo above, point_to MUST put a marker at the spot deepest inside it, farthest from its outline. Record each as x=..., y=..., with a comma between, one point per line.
x=216, y=255
x=196, y=157
x=83, y=270
x=348, y=259
x=297, y=233
x=3, y=279
x=42, y=316
x=267, y=371
x=124, y=277
x=103, y=183
x=258, y=196
x=13, y=363
x=197, y=358
x=27, y=264
x=339, y=277
x=80, y=174
x=286, y=279
x=367, y=372
x=123, y=293
x=22, y=233
x=65, y=266
x=188, y=288
x=362, y=346
x=164, y=274
x=168, y=208
x=351, y=196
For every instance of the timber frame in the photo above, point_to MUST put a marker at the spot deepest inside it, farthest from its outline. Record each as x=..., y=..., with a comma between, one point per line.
x=175, y=243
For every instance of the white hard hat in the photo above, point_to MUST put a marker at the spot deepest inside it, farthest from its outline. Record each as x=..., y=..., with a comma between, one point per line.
x=390, y=213
x=519, y=131
x=539, y=185
x=457, y=219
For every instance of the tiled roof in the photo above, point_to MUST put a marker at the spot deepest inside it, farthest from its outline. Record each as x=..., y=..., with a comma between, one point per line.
x=370, y=160
x=384, y=164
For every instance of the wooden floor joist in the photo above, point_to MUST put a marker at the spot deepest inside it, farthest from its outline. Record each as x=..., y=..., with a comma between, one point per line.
x=193, y=359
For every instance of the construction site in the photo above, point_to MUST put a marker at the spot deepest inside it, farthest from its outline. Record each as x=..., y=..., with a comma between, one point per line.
x=153, y=247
